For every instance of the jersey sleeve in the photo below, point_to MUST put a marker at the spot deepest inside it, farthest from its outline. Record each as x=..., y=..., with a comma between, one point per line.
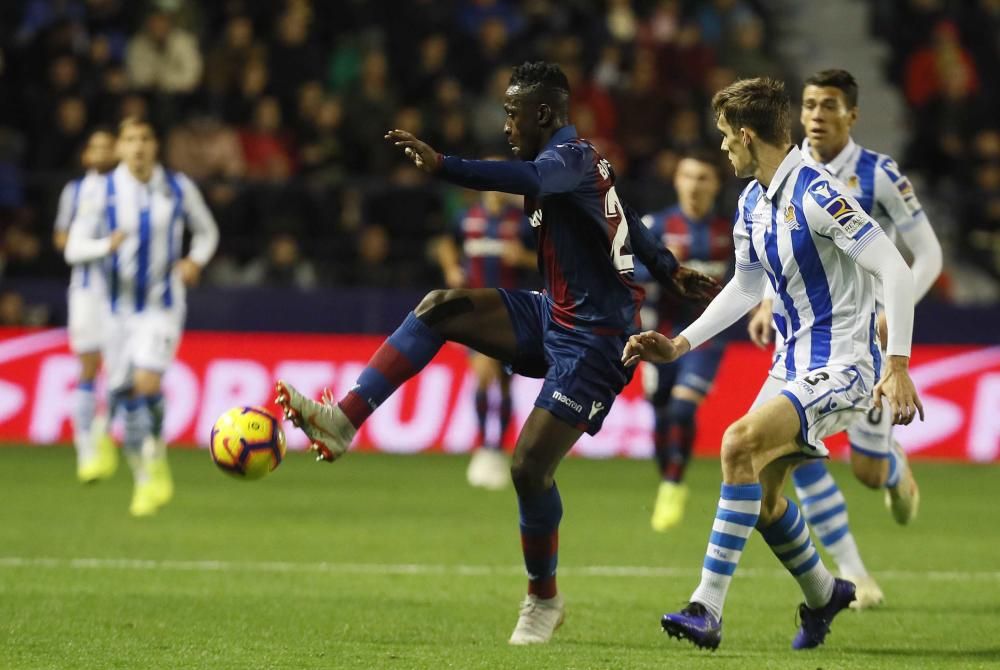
x=839, y=217
x=67, y=205
x=641, y=273
x=88, y=240
x=556, y=170
x=201, y=223
x=894, y=193
x=659, y=261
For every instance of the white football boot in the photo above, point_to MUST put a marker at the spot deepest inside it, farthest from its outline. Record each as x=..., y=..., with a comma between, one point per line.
x=538, y=620
x=867, y=593
x=329, y=430
x=903, y=500
x=488, y=469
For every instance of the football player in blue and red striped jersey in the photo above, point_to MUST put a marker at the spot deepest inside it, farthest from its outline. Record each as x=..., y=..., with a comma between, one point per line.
x=572, y=334
x=702, y=239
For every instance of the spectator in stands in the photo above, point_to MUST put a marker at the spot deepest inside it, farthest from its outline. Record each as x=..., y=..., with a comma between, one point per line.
x=265, y=145
x=641, y=108
x=281, y=265
x=294, y=57
x=57, y=149
x=163, y=57
x=228, y=59
x=931, y=67
x=369, y=109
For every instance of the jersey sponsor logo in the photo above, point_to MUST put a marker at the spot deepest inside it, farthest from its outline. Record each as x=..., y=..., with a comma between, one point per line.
x=822, y=189
x=854, y=225
x=566, y=400
x=790, y=219
x=842, y=210
x=595, y=409
x=536, y=218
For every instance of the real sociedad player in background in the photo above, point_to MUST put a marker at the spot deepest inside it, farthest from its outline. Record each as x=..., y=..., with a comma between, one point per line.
x=96, y=456
x=820, y=251
x=699, y=237
x=133, y=219
x=829, y=111
x=571, y=334
x=490, y=246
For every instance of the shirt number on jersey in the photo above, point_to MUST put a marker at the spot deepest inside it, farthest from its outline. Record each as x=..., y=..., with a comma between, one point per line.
x=613, y=210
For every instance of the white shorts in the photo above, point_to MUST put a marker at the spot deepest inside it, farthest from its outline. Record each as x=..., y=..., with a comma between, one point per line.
x=88, y=314
x=828, y=400
x=144, y=341
x=871, y=434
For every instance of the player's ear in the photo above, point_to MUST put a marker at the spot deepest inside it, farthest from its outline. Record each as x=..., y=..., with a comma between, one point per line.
x=745, y=137
x=544, y=115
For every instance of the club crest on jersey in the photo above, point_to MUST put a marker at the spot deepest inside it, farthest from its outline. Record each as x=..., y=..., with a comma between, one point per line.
x=536, y=218
x=852, y=182
x=790, y=220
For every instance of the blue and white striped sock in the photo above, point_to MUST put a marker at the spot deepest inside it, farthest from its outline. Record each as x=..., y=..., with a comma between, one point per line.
x=895, y=470
x=137, y=427
x=84, y=410
x=789, y=539
x=825, y=510
x=735, y=518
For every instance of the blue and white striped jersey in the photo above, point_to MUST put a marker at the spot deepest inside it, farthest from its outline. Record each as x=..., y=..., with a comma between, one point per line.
x=83, y=275
x=139, y=274
x=805, y=234
x=885, y=193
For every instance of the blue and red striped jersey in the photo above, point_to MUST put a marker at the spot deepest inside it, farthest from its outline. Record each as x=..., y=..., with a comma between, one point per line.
x=705, y=245
x=586, y=236
x=483, y=236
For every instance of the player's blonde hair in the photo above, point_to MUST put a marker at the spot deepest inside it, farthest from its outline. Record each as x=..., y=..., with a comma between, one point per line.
x=760, y=104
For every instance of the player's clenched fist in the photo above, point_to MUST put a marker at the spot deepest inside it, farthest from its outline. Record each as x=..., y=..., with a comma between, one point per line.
x=653, y=347
x=421, y=153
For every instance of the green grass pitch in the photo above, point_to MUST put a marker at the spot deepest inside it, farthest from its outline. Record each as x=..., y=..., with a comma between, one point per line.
x=393, y=562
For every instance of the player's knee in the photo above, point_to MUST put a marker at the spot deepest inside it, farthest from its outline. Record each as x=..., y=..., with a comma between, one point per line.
x=739, y=442
x=529, y=478
x=442, y=304
x=871, y=472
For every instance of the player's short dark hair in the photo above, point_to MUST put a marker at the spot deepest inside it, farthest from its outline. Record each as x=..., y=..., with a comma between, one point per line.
x=542, y=77
x=836, y=78
x=99, y=129
x=761, y=104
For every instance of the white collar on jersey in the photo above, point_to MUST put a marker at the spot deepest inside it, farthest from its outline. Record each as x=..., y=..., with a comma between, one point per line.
x=792, y=158
x=838, y=163
x=156, y=181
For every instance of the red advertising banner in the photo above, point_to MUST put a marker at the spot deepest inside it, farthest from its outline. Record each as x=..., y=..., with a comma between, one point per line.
x=959, y=385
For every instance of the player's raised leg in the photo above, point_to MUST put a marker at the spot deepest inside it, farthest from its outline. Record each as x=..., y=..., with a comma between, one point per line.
x=879, y=462
x=544, y=441
x=488, y=467
x=477, y=318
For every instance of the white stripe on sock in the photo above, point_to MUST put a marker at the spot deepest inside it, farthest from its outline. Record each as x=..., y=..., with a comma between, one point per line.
x=743, y=506
x=730, y=528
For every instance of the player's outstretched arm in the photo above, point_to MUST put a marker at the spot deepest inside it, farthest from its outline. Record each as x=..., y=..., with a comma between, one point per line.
x=654, y=347
x=557, y=170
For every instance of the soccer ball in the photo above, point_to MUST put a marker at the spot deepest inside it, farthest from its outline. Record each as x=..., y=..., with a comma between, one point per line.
x=247, y=442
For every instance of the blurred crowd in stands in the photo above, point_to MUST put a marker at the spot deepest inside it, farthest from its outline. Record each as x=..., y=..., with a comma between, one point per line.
x=277, y=109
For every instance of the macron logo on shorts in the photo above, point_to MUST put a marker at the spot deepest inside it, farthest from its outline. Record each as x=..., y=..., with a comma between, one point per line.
x=595, y=409
x=569, y=402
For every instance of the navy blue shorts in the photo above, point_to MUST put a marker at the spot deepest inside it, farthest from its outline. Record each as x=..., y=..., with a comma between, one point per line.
x=696, y=370
x=583, y=372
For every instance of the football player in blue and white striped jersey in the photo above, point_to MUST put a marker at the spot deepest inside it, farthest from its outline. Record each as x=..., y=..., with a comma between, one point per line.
x=96, y=457
x=821, y=254
x=133, y=221
x=829, y=111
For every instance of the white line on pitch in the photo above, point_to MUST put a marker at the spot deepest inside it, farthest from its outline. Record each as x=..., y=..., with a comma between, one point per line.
x=434, y=569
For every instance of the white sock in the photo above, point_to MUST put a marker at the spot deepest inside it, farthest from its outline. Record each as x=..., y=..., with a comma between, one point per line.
x=789, y=539
x=84, y=409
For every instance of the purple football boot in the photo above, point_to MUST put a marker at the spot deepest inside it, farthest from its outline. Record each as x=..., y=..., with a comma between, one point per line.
x=816, y=623
x=694, y=623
